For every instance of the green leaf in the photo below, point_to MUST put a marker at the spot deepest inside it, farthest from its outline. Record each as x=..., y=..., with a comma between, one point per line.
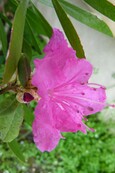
x=44, y=23
x=24, y=70
x=28, y=114
x=27, y=49
x=15, y=147
x=36, y=20
x=104, y=7
x=4, y=18
x=83, y=16
x=69, y=29
x=11, y=117
x=3, y=38
x=1, y=73
x=33, y=20
x=46, y=2
x=33, y=37
x=15, y=46
x=32, y=30
x=86, y=18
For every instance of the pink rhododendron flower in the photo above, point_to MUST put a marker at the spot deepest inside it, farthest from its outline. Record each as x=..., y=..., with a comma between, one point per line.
x=66, y=95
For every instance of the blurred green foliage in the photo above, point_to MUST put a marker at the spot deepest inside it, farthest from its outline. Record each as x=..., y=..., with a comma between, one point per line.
x=78, y=153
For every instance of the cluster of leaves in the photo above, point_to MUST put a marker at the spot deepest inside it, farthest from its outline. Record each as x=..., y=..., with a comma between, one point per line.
x=28, y=28
x=77, y=153
x=86, y=17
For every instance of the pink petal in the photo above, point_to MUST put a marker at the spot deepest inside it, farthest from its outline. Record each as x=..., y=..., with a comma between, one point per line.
x=60, y=65
x=46, y=76
x=46, y=137
x=56, y=43
x=70, y=102
x=67, y=118
x=48, y=71
x=77, y=70
x=66, y=97
x=43, y=112
x=90, y=100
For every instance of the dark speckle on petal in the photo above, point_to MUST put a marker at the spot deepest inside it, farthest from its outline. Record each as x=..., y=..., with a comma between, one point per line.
x=82, y=83
x=83, y=93
x=90, y=108
x=78, y=125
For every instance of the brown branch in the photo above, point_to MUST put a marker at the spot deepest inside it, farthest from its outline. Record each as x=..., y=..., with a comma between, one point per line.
x=10, y=87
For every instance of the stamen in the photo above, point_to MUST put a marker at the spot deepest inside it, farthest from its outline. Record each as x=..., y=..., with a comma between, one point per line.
x=110, y=105
x=94, y=84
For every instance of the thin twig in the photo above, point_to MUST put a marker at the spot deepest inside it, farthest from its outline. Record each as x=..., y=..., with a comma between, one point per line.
x=10, y=87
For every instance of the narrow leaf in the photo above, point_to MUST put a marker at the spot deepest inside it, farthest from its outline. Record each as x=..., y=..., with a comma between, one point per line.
x=11, y=117
x=46, y=2
x=3, y=38
x=69, y=29
x=86, y=18
x=33, y=20
x=15, y=46
x=104, y=7
x=24, y=70
x=33, y=37
x=15, y=147
x=4, y=18
x=83, y=16
x=27, y=49
x=37, y=20
x=31, y=26
x=44, y=23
